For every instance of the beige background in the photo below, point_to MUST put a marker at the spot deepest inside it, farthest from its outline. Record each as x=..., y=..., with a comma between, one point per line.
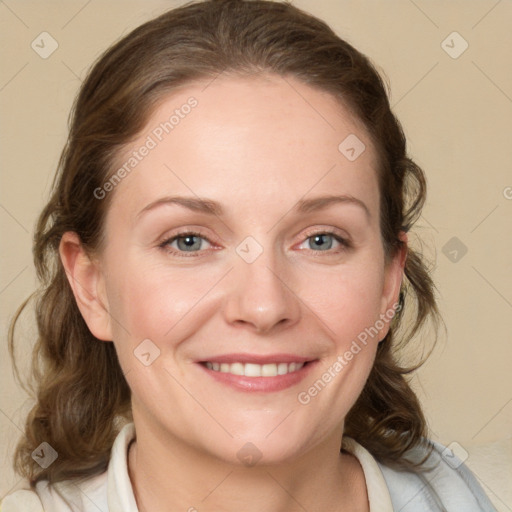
x=457, y=116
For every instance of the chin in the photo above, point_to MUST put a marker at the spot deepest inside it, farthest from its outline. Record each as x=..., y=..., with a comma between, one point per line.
x=261, y=448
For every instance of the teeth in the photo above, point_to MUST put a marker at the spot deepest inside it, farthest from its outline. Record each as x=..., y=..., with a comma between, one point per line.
x=252, y=370
x=269, y=370
x=255, y=370
x=282, y=368
x=235, y=369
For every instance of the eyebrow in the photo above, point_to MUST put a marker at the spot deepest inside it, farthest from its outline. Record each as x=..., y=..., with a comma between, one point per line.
x=211, y=207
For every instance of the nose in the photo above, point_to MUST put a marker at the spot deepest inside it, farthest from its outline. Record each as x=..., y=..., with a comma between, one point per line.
x=262, y=295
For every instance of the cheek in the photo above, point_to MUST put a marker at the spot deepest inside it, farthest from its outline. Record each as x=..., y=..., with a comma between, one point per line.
x=149, y=302
x=348, y=301
x=148, y=312
x=349, y=306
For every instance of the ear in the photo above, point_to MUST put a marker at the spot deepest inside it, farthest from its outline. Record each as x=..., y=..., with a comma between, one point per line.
x=87, y=282
x=393, y=275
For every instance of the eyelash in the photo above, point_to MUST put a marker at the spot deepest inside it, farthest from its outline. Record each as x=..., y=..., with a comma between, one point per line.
x=184, y=234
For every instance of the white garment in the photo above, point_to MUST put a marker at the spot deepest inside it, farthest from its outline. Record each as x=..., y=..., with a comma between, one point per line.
x=444, y=489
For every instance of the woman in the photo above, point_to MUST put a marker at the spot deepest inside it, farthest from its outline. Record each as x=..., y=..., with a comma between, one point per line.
x=225, y=269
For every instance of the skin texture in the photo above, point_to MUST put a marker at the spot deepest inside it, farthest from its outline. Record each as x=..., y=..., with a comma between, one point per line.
x=256, y=145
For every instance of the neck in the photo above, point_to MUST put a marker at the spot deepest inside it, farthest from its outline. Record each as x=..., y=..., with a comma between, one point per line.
x=167, y=474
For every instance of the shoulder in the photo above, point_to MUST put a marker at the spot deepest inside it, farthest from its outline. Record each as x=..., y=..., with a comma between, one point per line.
x=22, y=499
x=111, y=488
x=443, y=484
x=67, y=496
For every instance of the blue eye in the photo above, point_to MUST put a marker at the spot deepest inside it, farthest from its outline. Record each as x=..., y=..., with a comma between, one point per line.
x=324, y=240
x=186, y=242
x=191, y=243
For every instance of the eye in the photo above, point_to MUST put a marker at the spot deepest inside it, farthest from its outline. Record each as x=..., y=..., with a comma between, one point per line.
x=192, y=242
x=189, y=241
x=323, y=241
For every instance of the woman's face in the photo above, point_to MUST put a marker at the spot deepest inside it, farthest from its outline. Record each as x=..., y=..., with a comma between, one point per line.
x=273, y=274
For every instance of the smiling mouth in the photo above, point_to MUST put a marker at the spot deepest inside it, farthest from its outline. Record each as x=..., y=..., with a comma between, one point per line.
x=258, y=373
x=255, y=370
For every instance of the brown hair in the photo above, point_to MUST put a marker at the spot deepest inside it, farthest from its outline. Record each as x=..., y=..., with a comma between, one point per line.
x=79, y=386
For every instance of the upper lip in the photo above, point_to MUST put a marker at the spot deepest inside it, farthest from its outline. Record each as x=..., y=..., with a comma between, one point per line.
x=257, y=359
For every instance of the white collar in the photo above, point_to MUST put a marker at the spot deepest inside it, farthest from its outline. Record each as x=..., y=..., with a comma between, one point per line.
x=376, y=487
x=120, y=491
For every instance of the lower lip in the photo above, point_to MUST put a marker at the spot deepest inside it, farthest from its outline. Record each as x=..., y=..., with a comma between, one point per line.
x=261, y=384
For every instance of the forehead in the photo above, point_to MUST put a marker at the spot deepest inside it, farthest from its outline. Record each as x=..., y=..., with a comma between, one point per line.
x=252, y=142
